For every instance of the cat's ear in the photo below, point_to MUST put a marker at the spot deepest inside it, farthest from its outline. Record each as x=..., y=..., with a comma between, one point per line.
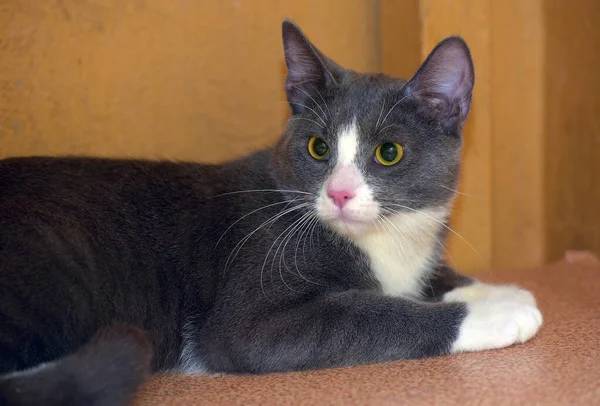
x=444, y=82
x=309, y=71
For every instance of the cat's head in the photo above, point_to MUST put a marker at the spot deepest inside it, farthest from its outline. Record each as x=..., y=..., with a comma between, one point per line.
x=368, y=147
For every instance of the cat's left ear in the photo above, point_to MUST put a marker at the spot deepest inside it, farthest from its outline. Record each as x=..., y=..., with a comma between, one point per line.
x=309, y=71
x=444, y=82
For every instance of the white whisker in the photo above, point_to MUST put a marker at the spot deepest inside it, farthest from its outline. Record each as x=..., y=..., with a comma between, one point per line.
x=264, y=191
x=388, y=113
x=402, y=99
x=286, y=235
x=313, y=226
x=456, y=191
x=307, y=119
x=252, y=212
x=321, y=108
x=379, y=118
x=305, y=106
x=271, y=249
x=303, y=231
x=388, y=126
x=284, y=207
x=325, y=103
x=274, y=218
x=439, y=222
x=290, y=235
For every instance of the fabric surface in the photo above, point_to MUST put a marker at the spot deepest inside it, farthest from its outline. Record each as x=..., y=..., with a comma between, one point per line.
x=560, y=366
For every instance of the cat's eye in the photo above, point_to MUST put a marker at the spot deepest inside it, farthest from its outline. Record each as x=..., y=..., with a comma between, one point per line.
x=318, y=148
x=389, y=153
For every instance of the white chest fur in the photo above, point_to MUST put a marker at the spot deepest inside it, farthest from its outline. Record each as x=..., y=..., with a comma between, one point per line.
x=402, y=248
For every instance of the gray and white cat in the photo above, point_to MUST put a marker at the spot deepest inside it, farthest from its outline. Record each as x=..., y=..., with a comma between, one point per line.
x=324, y=251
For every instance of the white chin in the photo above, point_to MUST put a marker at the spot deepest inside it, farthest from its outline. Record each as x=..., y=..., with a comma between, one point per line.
x=349, y=228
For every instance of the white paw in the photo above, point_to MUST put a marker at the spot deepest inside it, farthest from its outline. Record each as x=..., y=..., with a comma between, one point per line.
x=497, y=323
x=479, y=291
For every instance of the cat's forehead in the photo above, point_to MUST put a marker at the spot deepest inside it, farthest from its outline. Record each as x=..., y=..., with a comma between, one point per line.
x=362, y=103
x=367, y=90
x=363, y=97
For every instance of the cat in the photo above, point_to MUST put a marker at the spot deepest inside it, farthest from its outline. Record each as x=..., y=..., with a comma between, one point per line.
x=323, y=251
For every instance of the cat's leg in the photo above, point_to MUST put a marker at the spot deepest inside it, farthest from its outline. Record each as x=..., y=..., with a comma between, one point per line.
x=449, y=286
x=443, y=280
x=360, y=327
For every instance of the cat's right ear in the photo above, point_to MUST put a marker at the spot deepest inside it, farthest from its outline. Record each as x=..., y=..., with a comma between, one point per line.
x=309, y=71
x=444, y=83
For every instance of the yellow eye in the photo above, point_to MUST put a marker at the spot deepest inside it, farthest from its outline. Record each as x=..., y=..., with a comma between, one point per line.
x=317, y=148
x=389, y=153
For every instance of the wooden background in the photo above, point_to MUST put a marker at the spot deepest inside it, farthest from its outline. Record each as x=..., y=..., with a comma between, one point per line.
x=202, y=80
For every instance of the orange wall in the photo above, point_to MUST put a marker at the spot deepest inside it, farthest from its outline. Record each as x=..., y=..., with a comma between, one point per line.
x=185, y=79
x=471, y=245
x=572, y=126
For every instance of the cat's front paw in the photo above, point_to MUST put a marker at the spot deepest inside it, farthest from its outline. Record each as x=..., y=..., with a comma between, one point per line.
x=480, y=291
x=497, y=323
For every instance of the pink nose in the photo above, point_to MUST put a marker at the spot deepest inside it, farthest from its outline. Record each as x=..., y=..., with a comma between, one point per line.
x=340, y=197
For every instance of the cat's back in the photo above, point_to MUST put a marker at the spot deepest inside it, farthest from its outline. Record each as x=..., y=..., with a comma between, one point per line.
x=71, y=176
x=116, y=203
x=45, y=177
x=132, y=197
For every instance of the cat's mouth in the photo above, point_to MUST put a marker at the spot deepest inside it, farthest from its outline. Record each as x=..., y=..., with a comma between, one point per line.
x=348, y=221
x=349, y=227
x=346, y=203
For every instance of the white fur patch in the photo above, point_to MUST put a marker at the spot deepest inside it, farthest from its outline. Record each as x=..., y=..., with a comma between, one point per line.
x=347, y=146
x=479, y=291
x=189, y=362
x=361, y=210
x=31, y=371
x=402, y=249
x=498, y=316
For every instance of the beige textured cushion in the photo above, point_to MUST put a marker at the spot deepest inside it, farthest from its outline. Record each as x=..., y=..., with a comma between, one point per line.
x=560, y=366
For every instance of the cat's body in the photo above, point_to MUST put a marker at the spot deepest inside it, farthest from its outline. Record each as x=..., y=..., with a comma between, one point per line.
x=278, y=261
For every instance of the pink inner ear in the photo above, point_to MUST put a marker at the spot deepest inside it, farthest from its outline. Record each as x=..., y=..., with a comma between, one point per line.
x=450, y=76
x=445, y=77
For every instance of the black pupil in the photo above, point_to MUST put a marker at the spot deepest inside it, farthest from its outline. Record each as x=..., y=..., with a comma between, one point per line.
x=320, y=147
x=389, y=152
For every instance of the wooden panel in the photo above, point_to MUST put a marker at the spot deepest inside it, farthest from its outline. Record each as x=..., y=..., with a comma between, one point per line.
x=472, y=218
x=400, y=28
x=180, y=79
x=517, y=64
x=572, y=126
